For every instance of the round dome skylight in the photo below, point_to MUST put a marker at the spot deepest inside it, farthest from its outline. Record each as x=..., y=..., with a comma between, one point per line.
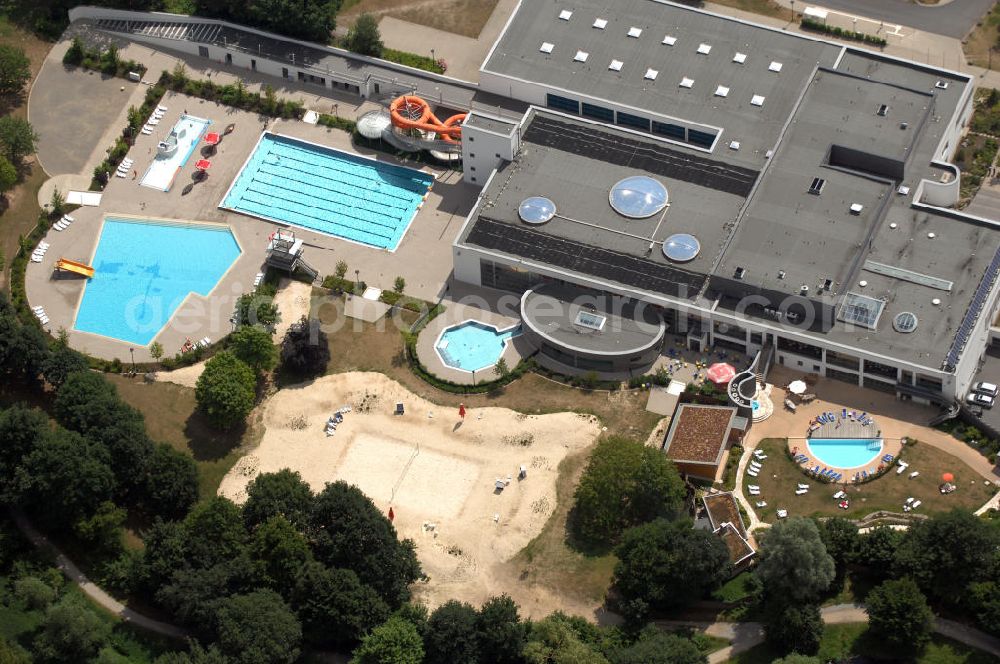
x=638, y=197
x=681, y=248
x=536, y=210
x=905, y=322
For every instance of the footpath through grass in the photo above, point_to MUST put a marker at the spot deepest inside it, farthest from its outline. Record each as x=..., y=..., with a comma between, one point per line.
x=844, y=642
x=780, y=478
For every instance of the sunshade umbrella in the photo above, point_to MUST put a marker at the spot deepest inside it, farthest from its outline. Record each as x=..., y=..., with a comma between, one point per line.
x=212, y=138
x=720, y=373
x=948, y=477
x=797, y=387
x=203, y=164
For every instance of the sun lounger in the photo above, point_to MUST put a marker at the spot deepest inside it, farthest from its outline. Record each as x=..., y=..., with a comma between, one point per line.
x=68, y=218
x=121, y=174
x=38, y=308
x=761, y=456
x=152, y=122
x=147, y=131
x=916, y=504
x=864, y=474
x=915, y=473
x=36, y=259
x=900, y=469
x=44, y=320
x=910, y=500
x=803, y=486
x=840, y=494
x=161, y=107
x=761, y=503
x=782, y=514
x=755, y=493
x=755, y=465
x=799, y=492
x=758, y=453
x=205, y=343
x=815, y=470
x=753, y=473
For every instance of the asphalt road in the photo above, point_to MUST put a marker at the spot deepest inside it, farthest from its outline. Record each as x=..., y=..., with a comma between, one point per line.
x=953, y=19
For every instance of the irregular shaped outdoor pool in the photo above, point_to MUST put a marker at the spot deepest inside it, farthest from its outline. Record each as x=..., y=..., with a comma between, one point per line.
x=473, y=346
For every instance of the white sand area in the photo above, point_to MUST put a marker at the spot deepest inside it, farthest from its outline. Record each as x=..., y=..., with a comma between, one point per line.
x=436, y=471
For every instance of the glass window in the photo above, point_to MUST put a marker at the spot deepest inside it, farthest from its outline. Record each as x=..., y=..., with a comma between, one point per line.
x=563, y=104
x=598, y=112
x=671, y=130
x=634, y=121
x=700, y=138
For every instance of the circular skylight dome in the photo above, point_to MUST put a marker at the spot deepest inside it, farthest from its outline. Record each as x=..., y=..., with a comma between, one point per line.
x=638, y=197
x=905, y=322
x=681, y=248
x=536, y=210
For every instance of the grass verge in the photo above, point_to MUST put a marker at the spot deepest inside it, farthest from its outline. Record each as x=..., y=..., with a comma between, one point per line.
x=983, y=39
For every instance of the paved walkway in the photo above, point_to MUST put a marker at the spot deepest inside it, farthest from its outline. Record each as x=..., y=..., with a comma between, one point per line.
x=92, y=590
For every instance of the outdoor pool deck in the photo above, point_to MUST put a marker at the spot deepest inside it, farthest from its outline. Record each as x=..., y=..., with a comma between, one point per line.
x=423, y=257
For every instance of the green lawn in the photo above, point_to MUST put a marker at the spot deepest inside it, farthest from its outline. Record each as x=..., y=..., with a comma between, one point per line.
x=780, y=477
x=736, y=589
x=842, y=641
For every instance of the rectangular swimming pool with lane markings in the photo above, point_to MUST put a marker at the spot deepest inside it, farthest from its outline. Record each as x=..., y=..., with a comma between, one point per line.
x=290, y=181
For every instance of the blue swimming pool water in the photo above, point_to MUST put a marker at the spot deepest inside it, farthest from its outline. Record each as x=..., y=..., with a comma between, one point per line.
x=326, y=190
x=473, y=346
x=755, y=405
x=144, y=270
x=845, y=452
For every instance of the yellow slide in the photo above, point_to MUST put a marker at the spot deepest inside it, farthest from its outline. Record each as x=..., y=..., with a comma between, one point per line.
x=73, y=266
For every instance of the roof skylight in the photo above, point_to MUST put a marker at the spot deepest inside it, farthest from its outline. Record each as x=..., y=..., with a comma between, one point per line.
x=651, y=74
x=634, y=32
x=740, y=58
x=669, y=40
x=581, y=56
x=616, y=65
x=565, y=15
x=687, y=82
x=600, y=23
x=546, y=47
x=757, y=100
x=721, y=91
x=775, y=66
x=704, y=49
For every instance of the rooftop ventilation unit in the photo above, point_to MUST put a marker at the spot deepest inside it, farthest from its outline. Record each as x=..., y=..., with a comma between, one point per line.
x=804, y=289
x=734, y=145
x=546, y=47
x=941, y=85
x=704, y=49
x=651, y=74
x=775, y=66
x=757, y=100
x=740, y=58
x=565, y=15
x=616, y=65
x=740, y=273
x=722, y=91
x=827, y=284
x=669, y=40
x=600, y=23
x=905, y=322
x=687, y=82
x=883, y=110
x=817, y=186
x=781, y=274
x=856, y=208
x=634, y=32
x=581, y=56
x=903, y=190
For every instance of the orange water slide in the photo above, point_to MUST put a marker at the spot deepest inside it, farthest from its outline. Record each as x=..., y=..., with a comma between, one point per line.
x=73, y=266
x=409, y=112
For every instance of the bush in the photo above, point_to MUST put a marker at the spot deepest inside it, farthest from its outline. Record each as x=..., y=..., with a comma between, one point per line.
x=234, y=95
x=413, y=60
x=337, y=122
x=819, y=26
x=304, y=350
x=34, y=593
x=225, y=390
x=364, y=37
x=899, y=616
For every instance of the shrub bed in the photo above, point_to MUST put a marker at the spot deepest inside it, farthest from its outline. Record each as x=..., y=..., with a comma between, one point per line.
x=235, y=95
x=819, y=26
x=342, y=285
x=413, y=60
x=117, y=152
x=337, y=122
x=107, y=61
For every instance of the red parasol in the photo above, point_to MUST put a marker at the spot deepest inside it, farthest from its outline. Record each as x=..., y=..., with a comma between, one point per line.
x=720, y=373
x=212, y=138
x=461, y=410
x=948, y=477
x=203, y=164
x=392, y=515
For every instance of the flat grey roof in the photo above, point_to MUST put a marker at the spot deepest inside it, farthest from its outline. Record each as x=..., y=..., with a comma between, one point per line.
x=495, y=125
x=517, y=55
x=626, y=327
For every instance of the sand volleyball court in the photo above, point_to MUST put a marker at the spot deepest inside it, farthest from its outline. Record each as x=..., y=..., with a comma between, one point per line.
x=438, y=472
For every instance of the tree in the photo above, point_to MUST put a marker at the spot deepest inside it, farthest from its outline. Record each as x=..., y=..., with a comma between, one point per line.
x=451, y=634
x=660, y=648
x=66, y=477
x=71, y=632
x=252, y=309
x=23, y=348
x=899, y=616
x=502, y=634
x=60, y=362
x=280, y=551
x=668, y=564
x=214, y=533
x=57, y=204
x=75, y=53
x=877, y=549
x=225, y=391
x=341, y=269
x=793, y=627
x=78, y=398
x=364, y=37
x=304, y=350
x=258, y=628
x=500, y=369
x=253, y=345
x=8, y=175
x=35, y=593
x=192, y=595
x=841, y=539
x=794, y=565
x=395, y=641
x=171, y=483
x=796, y=658
x=21, y=429
x=983, y=600
x=156, y=351
x=196, y=655
x=282, y=493
x=15, y=69
x=946, y=553
x=553, y=641
x=399, y=285
x=17, y=138
x=348, y=531
x=625, y=484
x=336, y=609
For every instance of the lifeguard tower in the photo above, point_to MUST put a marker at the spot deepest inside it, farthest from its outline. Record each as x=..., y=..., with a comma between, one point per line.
x=284, y=252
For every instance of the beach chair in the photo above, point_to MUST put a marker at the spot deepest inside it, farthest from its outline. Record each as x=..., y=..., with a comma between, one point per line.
x=120, y=174
x=163, y=108
x=799, y=492
x=761, y=456
x=146, y=130
x=753, y=487
x=38, y=308
x=782, y=514
x=803, y=486
x=916, y=504
x=754, y=492
x=152, y=121
x=840, y=494
x=399, y=408
x=915, y=473
x=760, y=503
x=753, y=473
x=864, y=474
x=44, y=320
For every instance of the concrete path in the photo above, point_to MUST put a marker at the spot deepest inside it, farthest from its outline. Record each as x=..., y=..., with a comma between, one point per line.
x=93, y=591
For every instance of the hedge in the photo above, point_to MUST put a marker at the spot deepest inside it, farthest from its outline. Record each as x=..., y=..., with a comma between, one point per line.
x=819, y=26
x=235, y=95
x=117, y=152
x=413, y=60
x=107, y=62
x=342, y=285
x=337, y=122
